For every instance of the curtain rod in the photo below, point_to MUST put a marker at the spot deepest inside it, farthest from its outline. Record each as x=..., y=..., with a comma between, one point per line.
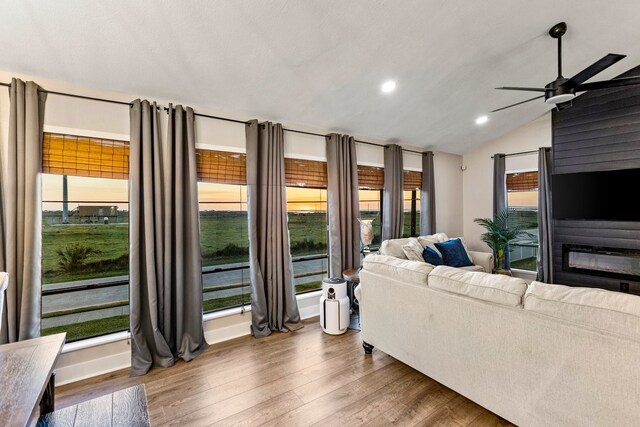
x=112, y=101
x=522, y=153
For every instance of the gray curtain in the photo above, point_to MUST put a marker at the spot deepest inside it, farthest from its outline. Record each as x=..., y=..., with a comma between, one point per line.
x=393, y=200
x=165, y=261
x=343, y=204
x=545, y=218
x=427, y=196
x=500, y=194
x=21, y=212
x=273, y=296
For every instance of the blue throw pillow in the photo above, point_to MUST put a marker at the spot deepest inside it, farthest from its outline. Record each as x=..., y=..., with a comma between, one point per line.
x=454, y=253
x=431, y=256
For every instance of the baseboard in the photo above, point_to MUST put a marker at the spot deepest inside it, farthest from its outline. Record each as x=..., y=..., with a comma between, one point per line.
x=91, y=368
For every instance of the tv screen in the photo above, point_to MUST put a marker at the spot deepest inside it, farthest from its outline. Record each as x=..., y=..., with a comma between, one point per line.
x=606, y=195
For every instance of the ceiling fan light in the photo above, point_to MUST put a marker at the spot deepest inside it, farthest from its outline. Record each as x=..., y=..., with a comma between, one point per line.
x=559, y=98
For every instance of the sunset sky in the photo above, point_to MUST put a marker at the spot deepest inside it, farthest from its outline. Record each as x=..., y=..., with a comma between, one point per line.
x=86, y=191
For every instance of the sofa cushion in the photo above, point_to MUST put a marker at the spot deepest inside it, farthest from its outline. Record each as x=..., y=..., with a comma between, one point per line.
x=413, y=250
x=431, y=256
x=409, y=271
x=494, y=288
x=608, y=311
x=454, y=254
x=393, y=247
x=472, y=268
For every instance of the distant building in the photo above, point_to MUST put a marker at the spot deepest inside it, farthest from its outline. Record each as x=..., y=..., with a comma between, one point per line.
x=94, y=214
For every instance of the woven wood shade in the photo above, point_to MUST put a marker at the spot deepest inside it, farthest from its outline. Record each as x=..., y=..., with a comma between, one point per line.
x=221, y=167
x=370, y=177
x=83, y=156
x=524, y=181
x=305, y=173
x=412, y=180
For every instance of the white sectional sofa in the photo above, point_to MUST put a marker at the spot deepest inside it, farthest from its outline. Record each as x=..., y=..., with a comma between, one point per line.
x=536, y=355
x=483, y=261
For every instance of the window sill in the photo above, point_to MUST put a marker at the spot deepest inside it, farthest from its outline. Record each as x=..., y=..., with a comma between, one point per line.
x=95, y=341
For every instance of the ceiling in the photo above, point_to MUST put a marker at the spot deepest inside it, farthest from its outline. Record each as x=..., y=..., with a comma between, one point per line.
x=321, y=63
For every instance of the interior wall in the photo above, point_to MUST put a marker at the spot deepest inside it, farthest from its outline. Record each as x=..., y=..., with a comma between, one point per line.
x=85, y=117
x=478, y=174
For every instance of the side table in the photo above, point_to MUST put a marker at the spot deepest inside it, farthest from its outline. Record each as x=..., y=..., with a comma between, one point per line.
x=352, y=276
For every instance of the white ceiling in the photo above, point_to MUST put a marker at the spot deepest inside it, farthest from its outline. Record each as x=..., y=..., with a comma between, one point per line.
x=321, y=63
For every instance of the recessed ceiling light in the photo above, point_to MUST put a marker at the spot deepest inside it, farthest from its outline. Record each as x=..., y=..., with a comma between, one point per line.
x=482, y=120
x=388, y=86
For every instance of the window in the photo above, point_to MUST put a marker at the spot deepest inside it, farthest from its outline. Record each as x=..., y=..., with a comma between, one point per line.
x=522, y=199
x=224, y=243
x=371, y=184
x=412, y=186
x=306, y=182
x=85, y=236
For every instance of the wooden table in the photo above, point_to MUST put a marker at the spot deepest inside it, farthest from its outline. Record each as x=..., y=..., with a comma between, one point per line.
x=25, y=374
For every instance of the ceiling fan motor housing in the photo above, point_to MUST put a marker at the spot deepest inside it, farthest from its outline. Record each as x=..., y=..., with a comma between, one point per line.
x=557, y=93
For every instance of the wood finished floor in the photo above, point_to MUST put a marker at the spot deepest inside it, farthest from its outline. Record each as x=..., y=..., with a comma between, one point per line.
x=297, y=379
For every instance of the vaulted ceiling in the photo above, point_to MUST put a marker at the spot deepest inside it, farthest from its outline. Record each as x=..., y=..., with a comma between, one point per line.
x=321, y=63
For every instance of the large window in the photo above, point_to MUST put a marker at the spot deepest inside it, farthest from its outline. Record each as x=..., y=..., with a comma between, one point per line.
x=224, y=245
x=522, y=199
x=307, y=211
x=85, y=236
x=306, y=182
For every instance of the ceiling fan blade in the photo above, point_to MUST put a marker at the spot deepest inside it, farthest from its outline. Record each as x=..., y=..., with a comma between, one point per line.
x=518, y=103
x=593, y=69
x=528, y=89
x=606, y=84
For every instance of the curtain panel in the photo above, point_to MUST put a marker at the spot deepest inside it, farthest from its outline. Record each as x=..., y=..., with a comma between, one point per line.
x=273, y=296
x=165, y=261
x=21, y=212
x=393, y=200
x=343, y=204
x=428, y=196
x=545, y=218
x=500, y=195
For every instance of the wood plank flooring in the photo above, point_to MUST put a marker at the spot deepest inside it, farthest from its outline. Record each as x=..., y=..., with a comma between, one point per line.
x=305, y=378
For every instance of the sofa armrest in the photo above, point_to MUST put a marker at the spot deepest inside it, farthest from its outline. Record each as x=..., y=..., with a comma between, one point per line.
x=483, y=259
x=358, y=292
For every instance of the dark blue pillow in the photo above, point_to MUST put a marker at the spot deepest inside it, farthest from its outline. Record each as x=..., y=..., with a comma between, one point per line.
x=454, y=253
x=431, y=256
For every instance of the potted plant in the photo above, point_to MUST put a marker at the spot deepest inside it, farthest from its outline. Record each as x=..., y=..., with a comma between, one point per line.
x=498, y=236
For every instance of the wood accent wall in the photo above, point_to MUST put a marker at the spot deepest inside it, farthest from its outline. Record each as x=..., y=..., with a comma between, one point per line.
x=601, y=131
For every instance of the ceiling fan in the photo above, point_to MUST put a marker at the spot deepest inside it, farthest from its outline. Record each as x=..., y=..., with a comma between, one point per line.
x=561, y=91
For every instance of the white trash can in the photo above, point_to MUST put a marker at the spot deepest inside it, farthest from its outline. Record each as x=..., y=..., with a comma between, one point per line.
x=334, y=307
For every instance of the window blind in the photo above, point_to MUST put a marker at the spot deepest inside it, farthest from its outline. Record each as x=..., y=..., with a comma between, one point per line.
x=305, y=173
x=412, y=180
x=221, y=167
x=84, y=156
x=523, y=181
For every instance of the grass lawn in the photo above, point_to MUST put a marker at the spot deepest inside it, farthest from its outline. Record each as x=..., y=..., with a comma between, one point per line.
x=111, y=242
x=91, y=328
x=525, y=264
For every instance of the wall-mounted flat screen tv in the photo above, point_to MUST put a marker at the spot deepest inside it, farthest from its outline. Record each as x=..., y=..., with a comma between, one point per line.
x=605, y=195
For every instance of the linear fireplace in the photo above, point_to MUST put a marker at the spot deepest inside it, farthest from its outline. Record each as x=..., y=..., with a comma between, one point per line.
x=616, y=263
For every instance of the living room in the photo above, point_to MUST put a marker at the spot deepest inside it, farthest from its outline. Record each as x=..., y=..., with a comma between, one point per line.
x=179, y=182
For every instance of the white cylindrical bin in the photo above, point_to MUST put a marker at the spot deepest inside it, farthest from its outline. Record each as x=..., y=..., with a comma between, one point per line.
x=334, y=307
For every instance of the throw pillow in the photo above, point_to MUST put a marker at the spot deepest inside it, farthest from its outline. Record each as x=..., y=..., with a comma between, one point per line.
x=430, y=242
x=431, y=256
x=413, y=250
x=454, y=254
